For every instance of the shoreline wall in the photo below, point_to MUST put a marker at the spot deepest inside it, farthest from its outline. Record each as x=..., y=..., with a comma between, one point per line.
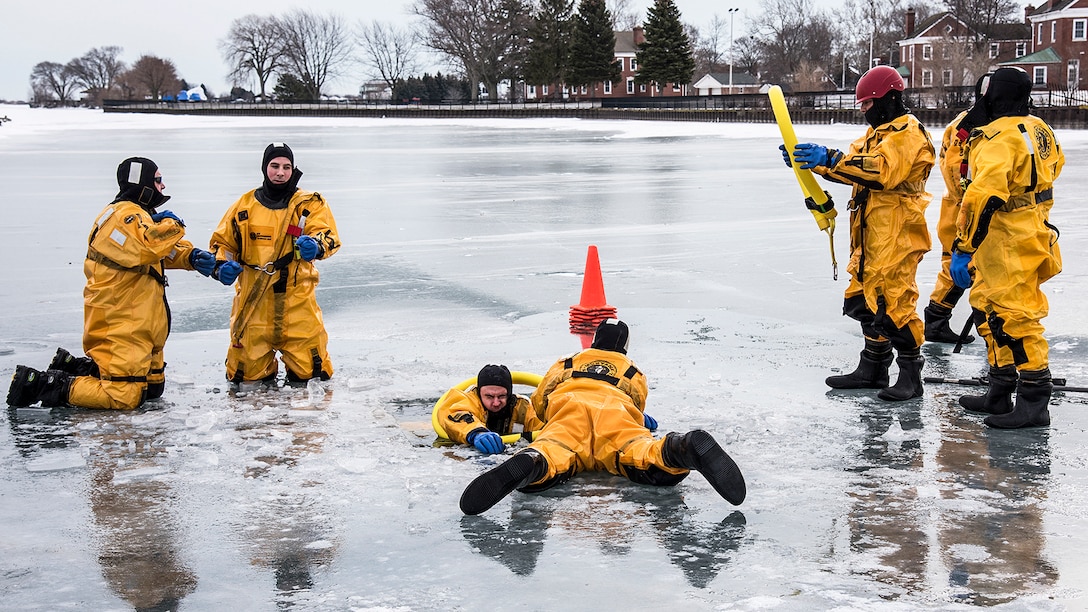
x=1057, y=117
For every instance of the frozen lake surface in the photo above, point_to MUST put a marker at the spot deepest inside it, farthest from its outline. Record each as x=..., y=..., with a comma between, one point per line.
x=464, y=244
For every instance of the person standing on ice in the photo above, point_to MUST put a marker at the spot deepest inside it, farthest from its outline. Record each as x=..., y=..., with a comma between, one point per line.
x=1005, y=236
x=888, y=168
x=126, y=315
x=268, y=240
x=482, y=414
x=592, y=404
x=953, y=164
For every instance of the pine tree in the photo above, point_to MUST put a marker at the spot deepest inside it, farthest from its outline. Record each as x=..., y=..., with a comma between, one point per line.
x=549, y=43
x=665, y=56
x=593, y=47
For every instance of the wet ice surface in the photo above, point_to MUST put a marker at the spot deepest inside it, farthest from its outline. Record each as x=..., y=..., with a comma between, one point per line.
x=464, y=244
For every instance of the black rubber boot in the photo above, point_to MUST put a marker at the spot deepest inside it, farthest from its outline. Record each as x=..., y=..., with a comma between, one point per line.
x=909, y=384
x=70, y=364
x=938, y=328
x=872, y=370
x=26, y=384
x=697, y=450
x=1032, y=401
x=29, y=386
x=493, y=485
x=54, y=388
x=998, y=397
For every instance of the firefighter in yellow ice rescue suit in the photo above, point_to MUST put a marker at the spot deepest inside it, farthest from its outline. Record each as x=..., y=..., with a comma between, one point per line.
x=483, y=413
x=1005, y=235
x=593, y=404
x=945, y=295
x=269, y=240
x=887, y=168
x=126, y=316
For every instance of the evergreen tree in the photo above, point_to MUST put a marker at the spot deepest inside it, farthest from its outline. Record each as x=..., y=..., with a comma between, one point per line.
x=665, y=56
x=550, y=43
x=290, y=88
x=593, y=46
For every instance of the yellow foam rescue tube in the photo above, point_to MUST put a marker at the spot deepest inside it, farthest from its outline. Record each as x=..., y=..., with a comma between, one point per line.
x=816, y=200
x=518, y=378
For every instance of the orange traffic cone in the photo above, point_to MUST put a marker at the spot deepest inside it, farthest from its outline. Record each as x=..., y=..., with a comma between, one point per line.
x=593, y=307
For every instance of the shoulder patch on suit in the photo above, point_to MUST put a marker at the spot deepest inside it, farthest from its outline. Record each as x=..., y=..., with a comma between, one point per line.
x=1043, y=144
x=109, y=213
x=119, y=237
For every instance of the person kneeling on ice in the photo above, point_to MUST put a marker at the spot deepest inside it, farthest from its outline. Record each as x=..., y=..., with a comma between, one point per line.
x=482, y=414
x=592, y=406
x=126, y=316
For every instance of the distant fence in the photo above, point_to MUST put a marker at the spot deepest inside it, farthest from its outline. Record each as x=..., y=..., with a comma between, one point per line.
x=805, y=108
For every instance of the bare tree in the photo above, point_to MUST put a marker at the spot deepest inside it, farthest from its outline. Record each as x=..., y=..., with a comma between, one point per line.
x=53, y=81
x=624, y=18
x=875, y=27
x=982, y=15
x=746, y=55
x=316, y=48
x=390, y=51
x=254, y=47
x=97, y=70
x=710, y=46
x=153, y=77
x=484, y=36
x=789, y=32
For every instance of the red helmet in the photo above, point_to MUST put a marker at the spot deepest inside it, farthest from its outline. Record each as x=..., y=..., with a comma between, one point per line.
x=877, y=82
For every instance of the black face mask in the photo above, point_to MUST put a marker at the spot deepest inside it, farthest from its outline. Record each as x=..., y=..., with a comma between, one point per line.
x=885, y=109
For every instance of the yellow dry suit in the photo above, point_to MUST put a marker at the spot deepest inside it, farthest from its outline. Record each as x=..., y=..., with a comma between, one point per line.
x=952, y=162
x=275, y=303
x=592, y=406
x=126, y=315
x=888, y=169
x=1004, y=220
x=462, y=413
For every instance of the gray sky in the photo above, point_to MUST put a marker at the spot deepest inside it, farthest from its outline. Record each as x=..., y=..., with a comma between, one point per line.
x=187, y=32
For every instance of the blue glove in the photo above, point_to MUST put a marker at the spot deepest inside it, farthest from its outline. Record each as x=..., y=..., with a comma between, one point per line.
x=649, y=422
x=958, y=269
x=785, y=155
x=166, y=214
x=811, y=155
x=307, y=247
x=227, y=272
x=487, y=442
x=202, y=261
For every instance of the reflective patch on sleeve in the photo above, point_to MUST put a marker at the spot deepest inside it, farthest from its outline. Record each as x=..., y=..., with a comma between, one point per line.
x=109, y=213
x=173, y=254
x=119, y=237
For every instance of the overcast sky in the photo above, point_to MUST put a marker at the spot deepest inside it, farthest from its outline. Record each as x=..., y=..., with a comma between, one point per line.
x=34, y=31
x=187, y=33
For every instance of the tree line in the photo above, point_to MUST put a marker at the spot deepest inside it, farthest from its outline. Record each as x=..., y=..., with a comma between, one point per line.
x=535, y=42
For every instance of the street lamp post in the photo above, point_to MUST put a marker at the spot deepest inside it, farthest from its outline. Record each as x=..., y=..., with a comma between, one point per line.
x=732, y=12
